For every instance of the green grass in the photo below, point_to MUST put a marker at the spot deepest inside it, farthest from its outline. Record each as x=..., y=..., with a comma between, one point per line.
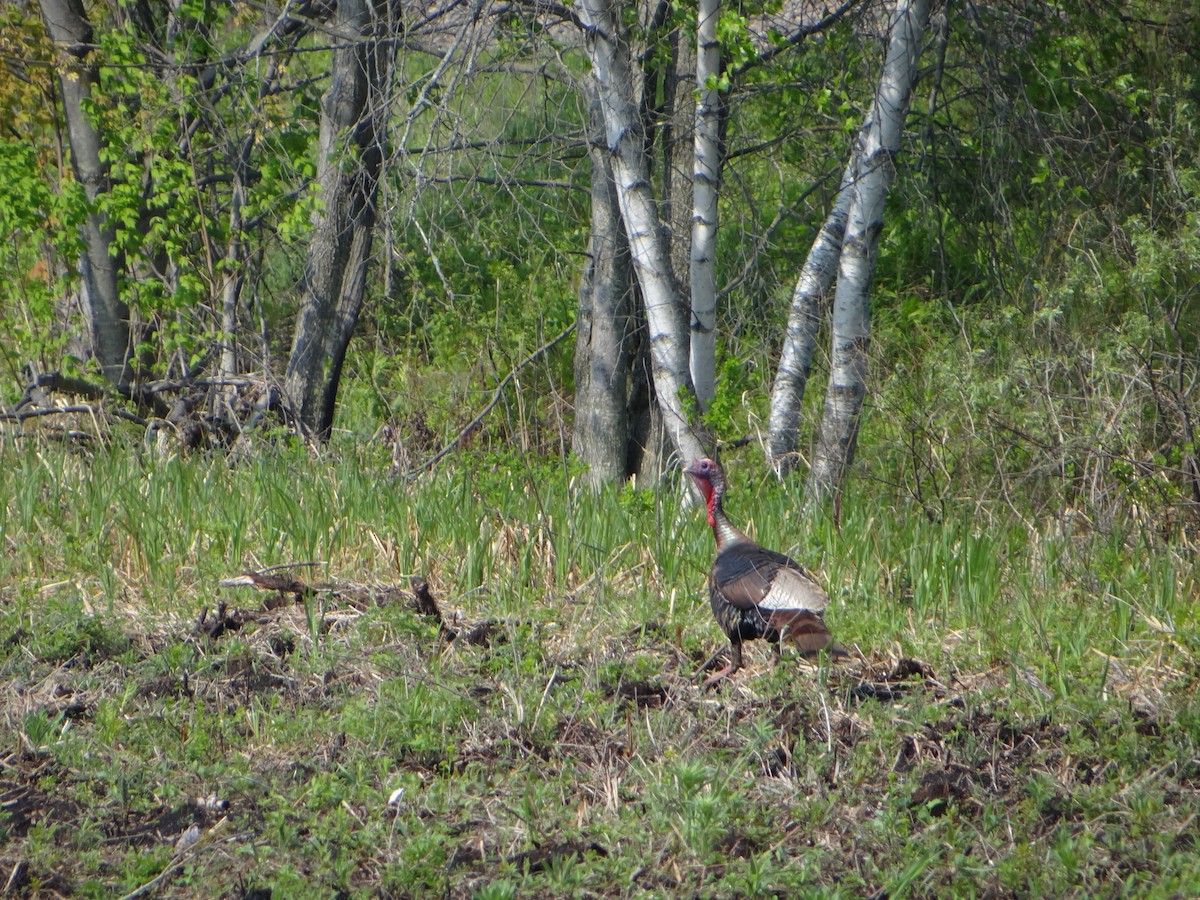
x=1047, y=743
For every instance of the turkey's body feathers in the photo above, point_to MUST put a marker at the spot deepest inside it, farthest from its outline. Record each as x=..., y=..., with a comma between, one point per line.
x=756, y=593
x=750, y=575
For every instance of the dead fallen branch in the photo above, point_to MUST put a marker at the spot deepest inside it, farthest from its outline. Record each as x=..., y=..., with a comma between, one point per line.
x=287, y=589
x=197, y=411
x=282, y=585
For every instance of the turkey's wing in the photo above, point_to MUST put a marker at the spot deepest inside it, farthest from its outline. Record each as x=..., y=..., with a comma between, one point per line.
x=749, y=577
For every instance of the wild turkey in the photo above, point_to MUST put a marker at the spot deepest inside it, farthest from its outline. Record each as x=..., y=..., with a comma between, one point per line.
x=756, y=592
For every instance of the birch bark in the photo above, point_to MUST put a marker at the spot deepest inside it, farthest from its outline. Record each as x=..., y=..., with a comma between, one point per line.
x=624, y=136
x=800, y=342
x=873, y=162
x=706, y=180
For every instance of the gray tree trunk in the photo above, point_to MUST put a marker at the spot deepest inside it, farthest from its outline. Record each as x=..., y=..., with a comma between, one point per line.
x=349, y=160
x=602, y=335
x=874, y=169
x=100, y=264
x=808, y=303
x=234, y=277
x=649, y=251
x=673, y=121
x=706, y=181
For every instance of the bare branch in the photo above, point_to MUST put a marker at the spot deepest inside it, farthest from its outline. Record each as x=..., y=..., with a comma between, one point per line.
x=496, y=395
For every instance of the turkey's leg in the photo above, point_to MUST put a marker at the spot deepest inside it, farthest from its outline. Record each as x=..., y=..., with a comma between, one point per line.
x=735, y=663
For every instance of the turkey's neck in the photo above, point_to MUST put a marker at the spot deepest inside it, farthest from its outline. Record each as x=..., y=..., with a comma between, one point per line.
x=723, y=530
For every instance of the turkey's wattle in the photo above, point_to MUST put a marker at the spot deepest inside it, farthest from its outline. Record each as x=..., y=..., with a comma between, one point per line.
x=756, y=592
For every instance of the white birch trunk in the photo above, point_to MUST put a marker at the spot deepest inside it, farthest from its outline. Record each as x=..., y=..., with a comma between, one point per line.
x=795, y=361
x=705, y=188
x=612, y=71
x=874, y=169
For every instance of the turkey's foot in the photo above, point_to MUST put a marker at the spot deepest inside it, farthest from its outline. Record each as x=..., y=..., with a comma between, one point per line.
x=708, y=664
x=717, y=677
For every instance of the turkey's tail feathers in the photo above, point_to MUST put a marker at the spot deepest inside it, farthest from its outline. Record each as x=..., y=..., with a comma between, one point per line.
x=805, y=630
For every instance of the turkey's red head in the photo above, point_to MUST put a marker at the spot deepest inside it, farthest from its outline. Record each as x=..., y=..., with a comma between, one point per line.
x=707, y=475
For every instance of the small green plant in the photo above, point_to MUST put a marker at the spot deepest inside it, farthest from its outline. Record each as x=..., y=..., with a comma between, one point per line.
x=40, y=729
x=501, y=889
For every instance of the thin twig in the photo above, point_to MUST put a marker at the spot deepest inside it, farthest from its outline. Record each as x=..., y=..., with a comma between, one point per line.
x=178, y=860
x=20, y=415
x=491, y=404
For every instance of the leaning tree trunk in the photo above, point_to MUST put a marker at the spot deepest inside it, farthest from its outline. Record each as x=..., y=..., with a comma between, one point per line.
x=800, y=342
x=101, y=262
x=602, y=336
x=706, y=180
x=874, y=167
x=349, y=160
x=667, y=327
